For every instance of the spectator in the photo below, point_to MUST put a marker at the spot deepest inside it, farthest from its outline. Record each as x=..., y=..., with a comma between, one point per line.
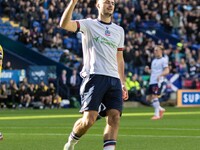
x=75, y=82
x=175, y=20
x=12, y=93
x=138, y=63
x=24, y=97
x=51, y=93
x=65, y=57
x=41, y=93
x=8, y=66
x=57, y=41
x=182, y=68
x=63, y=85
x=134, y=85
x=195, y=83
x=193, y=69
x=32, y=91
x=3, y=95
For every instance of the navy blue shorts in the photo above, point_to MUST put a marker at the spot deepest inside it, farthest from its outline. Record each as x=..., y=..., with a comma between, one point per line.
x=153, y=89
x=101, y=93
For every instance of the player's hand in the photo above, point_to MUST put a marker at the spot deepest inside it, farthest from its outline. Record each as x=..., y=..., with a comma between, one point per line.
x=124, y=93
x=158, y=79
x=74, y=1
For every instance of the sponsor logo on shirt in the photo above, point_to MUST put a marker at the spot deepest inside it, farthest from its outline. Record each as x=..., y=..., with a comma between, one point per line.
x=105, y=41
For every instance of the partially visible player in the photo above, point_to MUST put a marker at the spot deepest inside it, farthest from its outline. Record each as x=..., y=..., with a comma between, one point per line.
x=159, y=69
x=1, y=58
x=1, y=63
x=1, y=136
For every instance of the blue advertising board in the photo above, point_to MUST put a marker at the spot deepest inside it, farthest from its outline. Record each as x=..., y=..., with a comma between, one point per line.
x=36, y=74
x=188, y=98
x=16, y=75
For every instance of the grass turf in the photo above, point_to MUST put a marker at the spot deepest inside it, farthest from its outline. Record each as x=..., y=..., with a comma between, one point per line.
x=28, y=129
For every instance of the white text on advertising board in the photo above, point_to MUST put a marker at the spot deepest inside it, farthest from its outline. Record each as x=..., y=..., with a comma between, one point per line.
x=191, y=97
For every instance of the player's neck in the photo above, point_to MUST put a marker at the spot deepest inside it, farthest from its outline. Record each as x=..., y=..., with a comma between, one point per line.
x=158, y=57
x=103, y=19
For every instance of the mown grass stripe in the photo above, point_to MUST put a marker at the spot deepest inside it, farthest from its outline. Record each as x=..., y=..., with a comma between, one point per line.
x=79, y=115
x=122, y=135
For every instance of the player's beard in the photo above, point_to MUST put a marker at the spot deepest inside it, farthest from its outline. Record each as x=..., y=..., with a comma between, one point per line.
x=107, y=14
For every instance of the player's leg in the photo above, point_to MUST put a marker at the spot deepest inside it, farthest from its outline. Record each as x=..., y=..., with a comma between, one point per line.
x=113, y=103
x=162, y=88
x=81, y=126
x=92, y=91
x=153, y=100
x=159, y=111
x=111, y=129
x=148, y=98
x=153, y=92
x=156, y=106
x=1, y=136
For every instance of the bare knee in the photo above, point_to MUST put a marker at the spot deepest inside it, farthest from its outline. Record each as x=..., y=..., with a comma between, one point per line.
x=113, y=118
x=89, y=119
x=87, y=122
x=154, y=97
x=149, y=98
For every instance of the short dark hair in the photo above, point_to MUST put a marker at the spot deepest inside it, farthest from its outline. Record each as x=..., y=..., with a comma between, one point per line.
x=160, y=47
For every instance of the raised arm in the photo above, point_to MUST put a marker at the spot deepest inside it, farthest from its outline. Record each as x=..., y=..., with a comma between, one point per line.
x=66, y=22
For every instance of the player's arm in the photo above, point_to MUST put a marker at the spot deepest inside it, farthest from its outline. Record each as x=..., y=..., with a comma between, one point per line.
x=66, y=22
x=165, y=69
x=165, y=72
x=120, y=61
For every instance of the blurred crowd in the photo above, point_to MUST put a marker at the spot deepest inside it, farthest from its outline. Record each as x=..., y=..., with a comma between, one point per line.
x=28, y=95
x=39, y=20
x=40, y=94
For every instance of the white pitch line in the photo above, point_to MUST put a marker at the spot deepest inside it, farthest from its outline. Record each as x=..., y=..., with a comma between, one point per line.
x=78, y=115
x=168, y=129
x=122, y=135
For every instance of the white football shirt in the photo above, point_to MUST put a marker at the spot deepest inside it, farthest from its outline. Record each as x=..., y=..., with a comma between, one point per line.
x=100, y=43
x=157, y=67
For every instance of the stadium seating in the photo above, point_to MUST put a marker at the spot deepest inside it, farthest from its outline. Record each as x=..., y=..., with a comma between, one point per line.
x=7, y=29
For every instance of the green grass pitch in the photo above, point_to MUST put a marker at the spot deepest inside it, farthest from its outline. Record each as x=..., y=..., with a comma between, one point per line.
x=28, y=129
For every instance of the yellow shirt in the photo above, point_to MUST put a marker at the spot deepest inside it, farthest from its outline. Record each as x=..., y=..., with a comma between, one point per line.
x=1, y=57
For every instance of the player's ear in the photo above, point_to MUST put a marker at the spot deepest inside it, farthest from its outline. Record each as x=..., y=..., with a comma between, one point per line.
x=97, y=4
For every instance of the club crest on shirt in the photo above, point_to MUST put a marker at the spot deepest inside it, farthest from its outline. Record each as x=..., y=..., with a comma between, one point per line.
x=107, y=32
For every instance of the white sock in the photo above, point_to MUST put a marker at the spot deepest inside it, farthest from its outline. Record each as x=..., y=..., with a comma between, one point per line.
x=109, y=148
x=161, y=108
x=72, y=141
x=156, y=105
x=109, y=145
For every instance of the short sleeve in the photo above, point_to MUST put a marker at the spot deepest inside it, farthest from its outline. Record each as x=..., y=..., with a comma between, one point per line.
x=84, y=25
x=165, y=63
x=121, y=43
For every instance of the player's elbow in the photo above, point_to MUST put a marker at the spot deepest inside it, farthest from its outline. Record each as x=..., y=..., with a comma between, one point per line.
x=62, y=24
x=68, y=26
x=167, y=70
